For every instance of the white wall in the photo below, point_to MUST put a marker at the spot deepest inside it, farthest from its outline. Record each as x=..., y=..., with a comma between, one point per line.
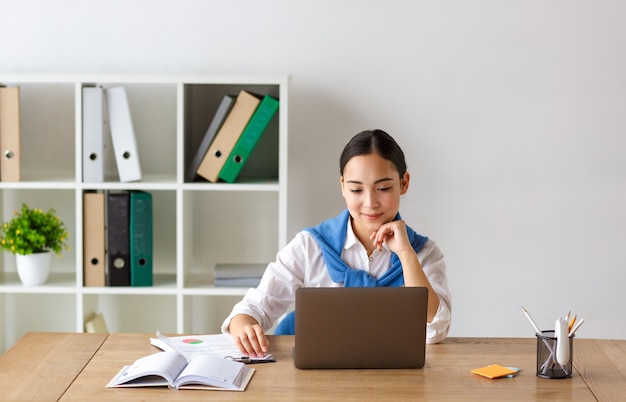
x=511, y=114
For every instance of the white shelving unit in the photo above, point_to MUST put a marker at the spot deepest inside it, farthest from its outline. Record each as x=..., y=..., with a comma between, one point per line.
x=196, y=224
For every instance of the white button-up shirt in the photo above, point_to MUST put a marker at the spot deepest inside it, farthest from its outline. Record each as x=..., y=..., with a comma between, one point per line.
x=301, y=263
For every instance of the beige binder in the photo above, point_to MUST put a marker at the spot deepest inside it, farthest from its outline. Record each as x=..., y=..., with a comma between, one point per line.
x=227, y=136
x=93, y=239
x=10, y=166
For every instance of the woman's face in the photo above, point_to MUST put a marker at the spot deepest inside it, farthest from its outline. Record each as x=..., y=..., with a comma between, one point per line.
x=372, y=187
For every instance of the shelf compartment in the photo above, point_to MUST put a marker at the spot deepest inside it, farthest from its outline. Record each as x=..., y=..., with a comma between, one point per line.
x=153, y=114
x=200, y=104
x=47, y=126
x=63, y=202
x=228, y=227
x=133, y=313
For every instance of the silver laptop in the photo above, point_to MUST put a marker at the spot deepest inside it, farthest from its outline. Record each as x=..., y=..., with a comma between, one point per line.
x=374, y=327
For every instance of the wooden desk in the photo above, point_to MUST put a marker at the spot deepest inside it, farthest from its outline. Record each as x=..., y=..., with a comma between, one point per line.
x=41, y=366
x=600, y=373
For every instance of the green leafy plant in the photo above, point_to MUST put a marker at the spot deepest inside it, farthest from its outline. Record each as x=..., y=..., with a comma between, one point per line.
x=34, y=231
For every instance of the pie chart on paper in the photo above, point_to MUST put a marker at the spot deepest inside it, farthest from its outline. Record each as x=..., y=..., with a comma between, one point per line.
x=192, y=341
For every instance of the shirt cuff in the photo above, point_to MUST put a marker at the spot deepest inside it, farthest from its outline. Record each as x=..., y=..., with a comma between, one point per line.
x=437, y=329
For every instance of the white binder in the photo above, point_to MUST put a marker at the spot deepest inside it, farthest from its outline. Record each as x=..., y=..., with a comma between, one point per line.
x=94, y=135
x=123, y=135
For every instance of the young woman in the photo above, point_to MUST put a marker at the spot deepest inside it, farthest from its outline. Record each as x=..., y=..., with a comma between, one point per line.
x=368, y=244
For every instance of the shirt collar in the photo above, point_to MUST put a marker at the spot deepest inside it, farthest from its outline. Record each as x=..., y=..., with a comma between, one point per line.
x=351, y=239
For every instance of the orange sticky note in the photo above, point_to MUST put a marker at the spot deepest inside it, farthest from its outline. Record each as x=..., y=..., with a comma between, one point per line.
x=494, y=371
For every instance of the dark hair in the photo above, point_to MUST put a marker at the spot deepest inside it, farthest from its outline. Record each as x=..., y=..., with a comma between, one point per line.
x=373, y=141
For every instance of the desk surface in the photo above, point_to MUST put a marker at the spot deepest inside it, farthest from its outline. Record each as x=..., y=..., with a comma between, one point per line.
x=76, y=367
x=41, y=366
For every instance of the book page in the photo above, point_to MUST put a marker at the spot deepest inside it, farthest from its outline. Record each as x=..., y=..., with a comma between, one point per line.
x=213, y=371
x=221, y=345
x=160, y=368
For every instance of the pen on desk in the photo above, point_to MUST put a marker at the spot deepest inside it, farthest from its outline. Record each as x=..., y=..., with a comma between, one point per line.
x=571, y=333
x=532, y=322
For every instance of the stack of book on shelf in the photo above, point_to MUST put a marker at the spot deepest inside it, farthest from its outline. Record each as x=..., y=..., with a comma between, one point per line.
x=117, y=230
x=235, y=129
x=107, y=111
x=10, y=143
x=239, y=275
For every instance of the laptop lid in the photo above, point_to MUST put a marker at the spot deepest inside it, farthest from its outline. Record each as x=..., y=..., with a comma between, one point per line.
x=373, y=327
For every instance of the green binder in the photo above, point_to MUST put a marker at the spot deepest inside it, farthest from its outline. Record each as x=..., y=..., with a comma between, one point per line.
x=140, y=234
x=249, y=138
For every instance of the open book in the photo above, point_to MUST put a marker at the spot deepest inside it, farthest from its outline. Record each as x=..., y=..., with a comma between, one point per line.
x=171, y=369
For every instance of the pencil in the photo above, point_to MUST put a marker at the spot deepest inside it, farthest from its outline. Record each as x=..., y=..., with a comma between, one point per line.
x=532, y=322
x=571, y=323
x=571, y=333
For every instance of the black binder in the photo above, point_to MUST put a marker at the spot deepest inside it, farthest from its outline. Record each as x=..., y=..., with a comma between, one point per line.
x=118, y=243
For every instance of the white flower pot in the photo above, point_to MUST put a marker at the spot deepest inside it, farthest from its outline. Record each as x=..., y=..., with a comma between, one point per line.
x=33, y=269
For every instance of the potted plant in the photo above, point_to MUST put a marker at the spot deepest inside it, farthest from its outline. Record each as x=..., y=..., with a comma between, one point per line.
x=33, y=235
